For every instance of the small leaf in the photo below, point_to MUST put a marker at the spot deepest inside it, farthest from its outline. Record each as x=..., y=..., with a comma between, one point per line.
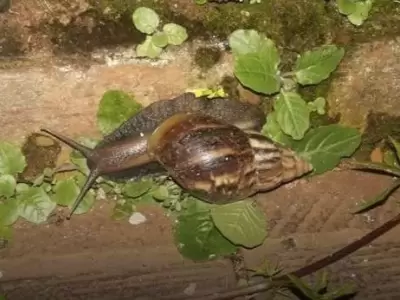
x=21, y=187
x=241, y=222
x=148, y=49
x=379, y=199
x=122, y=211
x=361, y=12
x=324, y=146
x=292, y=114
x=391, y=170
x=65, y=192
x=396, y=145
x=199, y=239
x=346, y=7
x=314, y=66
x=161, y=193
x=9, y=212
x=137, y=189
x=272, y=130
x=318, y=105
x=89, y=199
x=259, y=70
x=115, y=108
x=12, y=161
x=7, y=185
x=145, y=20
x=35, y=205
x=176, y=33
x=160, y=39
x=244, y=41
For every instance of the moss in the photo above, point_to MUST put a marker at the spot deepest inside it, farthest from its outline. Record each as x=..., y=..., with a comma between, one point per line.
x=207, y=57
x=40, y=152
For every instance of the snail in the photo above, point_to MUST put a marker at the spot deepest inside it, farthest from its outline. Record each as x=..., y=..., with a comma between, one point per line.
x=218, y=162
x=123, y=154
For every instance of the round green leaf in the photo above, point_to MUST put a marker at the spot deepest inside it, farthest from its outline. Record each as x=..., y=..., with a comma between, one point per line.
x=292, y=114
x=12, y=161
x=176, y=33
x=241, y=222
x=145, y=20
x=137, y=189
x=346, y=7
x=9, y=212
x=314, y=66
x=259, y=70
x=21, y=187
x=243, y=41
x=122, y=211
x=65, y=192
x=361, y=12
x=148, y=49
x=198, y=238
x=160, y=39
x=324, y=146
x=7, y=185
x=35, y=205
x=115, y=108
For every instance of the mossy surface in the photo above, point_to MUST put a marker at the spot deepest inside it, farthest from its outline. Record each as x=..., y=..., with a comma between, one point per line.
x=207, y=57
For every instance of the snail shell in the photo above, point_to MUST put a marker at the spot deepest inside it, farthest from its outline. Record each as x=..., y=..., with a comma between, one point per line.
x=220, y=163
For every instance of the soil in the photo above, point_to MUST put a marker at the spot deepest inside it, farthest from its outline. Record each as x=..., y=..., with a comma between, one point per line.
x=94, y=257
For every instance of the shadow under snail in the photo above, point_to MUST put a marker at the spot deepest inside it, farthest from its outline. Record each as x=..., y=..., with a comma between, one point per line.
x=212, y=148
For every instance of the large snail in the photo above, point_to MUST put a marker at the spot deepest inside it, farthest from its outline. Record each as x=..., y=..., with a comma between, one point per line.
x=124, y=153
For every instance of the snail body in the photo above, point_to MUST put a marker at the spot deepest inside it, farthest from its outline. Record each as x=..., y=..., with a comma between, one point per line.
x=220, y=163
x=123, y=153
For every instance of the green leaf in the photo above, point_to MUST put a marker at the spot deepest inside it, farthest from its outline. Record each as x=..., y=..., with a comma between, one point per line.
x=78, y=159
x=65, y=192
x=9, y=212
x=148, y=49
x=379, y=199
x=360, y=165
x=160, y=39
x=241, y=222
x=137, y=189
x=199, y=239
x=115, y=108
x=21, y=187
x=259, y=70
x=7, y=185
x=35, y=205
x=318, y=105
x=292, y=114
x=122, y=211
x=324, y=146
x=314, y=66
x=12, y=161
x=346, y=7
x=273, y=130
x=244, y=41
x=361, y=12
x=176, y=33
x=145, y=20
x=396, y=145
x=161, y=193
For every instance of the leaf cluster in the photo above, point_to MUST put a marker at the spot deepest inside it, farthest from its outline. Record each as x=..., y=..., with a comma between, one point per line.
x=257, y=62
x=147, y=21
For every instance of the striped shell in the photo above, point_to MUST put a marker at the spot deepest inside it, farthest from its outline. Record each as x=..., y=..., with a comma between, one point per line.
x=219, y=163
